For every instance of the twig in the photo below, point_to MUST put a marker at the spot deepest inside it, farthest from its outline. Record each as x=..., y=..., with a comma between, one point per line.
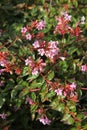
x=13, y=42
x=83, y=88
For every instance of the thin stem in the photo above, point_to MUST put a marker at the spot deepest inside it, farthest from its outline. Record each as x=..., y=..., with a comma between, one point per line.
x=83, y=88
x=50, y=2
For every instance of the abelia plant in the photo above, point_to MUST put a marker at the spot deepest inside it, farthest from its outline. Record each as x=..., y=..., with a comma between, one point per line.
x=45, y=71
x=35, y=66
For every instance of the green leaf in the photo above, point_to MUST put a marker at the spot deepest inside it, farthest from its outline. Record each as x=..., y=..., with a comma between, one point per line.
x=63, y=66
x=33, y=108
x=26, y=71
x=13, y=93
x=71, y=106
x=34, y=12
x=73, y=128
x=18, y=87
x=43, y=92
x=75, y=3
x=54, y=104
x=37, y=83
x=50, y=94
x=32, y=77
x=60, y=107
x=51, y=75
x=68, y=119
x=2, y=100
x=33, y=96
x=72, y=50
x=43, y=1
x=24, y=92
x=79, y=93
x=10, y=84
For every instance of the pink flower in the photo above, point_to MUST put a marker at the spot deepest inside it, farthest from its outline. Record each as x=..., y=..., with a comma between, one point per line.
x=24, y=30
x=49, y=49
x=35, y=71
x=3, y=59
x=41, y=65
x=41, y=51
x=30, y=101
x=52, y=49
x=28, y=36
x=40, y=111
x=44, y=120
x=59, y=91
x=2, y=71
x=3, y=116
x=73, y=86
x=62, y=27
x=35, y=66
x=84, y=68
x=29, y=61
x=52, y=52
x=41, y=25
x=4, y=62
x=65, y=93
x=53, y=44
x=69, y=89
x=36, y=44
x=72, y=94
x=38, y=67
x=66, y=16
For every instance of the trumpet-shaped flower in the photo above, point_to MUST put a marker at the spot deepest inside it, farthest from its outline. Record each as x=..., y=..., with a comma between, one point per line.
x=44, y=120
x=41, y=25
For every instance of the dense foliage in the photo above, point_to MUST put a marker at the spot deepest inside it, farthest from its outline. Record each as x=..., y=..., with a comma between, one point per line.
x=43, y=64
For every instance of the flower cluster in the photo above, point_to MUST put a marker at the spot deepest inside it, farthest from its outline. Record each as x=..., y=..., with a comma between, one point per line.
x=6, y=65
x=63, y=26
x=35, y=66
x=41, y=25
x=49, y=49
x=67, y=91
x=44, y=120
x=3, y=58
x=66, y=16
x=26, y=31
x=76, y=31
x=48, y=83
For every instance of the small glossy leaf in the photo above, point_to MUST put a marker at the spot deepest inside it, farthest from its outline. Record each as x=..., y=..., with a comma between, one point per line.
x=2, y=100
x=51, y=75
x=13, y=94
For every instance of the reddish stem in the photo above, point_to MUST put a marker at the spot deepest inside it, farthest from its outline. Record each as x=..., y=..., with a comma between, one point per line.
x=83, y=88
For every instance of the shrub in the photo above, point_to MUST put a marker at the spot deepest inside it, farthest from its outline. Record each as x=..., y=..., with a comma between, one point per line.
x=44, y=69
